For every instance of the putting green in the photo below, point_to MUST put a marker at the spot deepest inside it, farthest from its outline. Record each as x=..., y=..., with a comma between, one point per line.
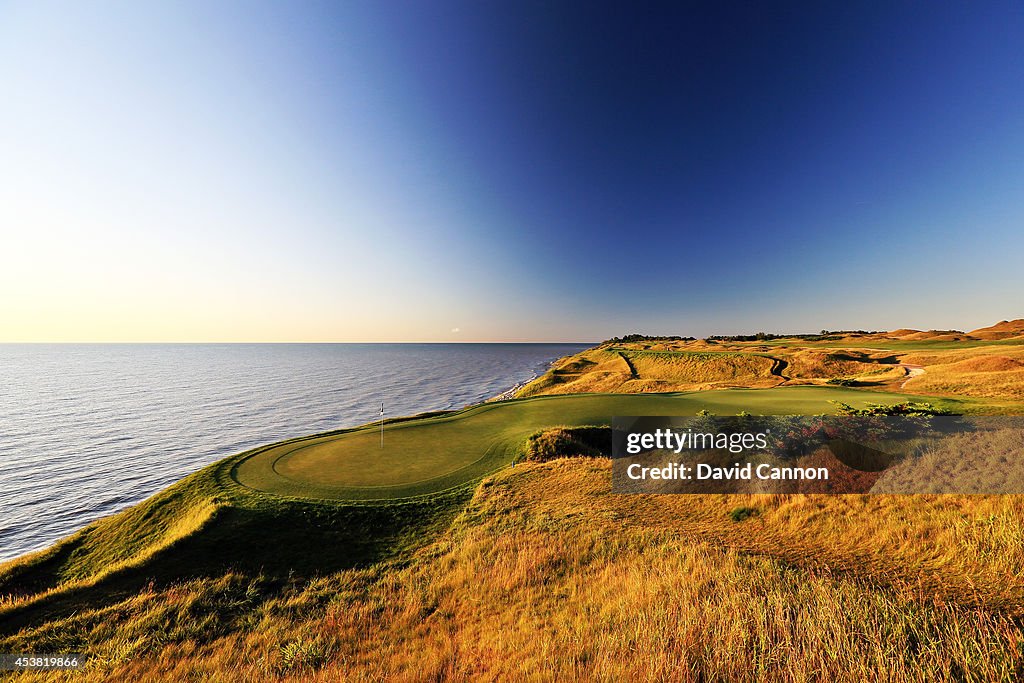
x=432, y=454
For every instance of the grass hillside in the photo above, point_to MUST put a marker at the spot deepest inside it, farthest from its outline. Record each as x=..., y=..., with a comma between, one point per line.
x=986, y=365
x=1006, y=329
x=201, y=528
x=994, y=375
x=329, y=558
x=631, y=370
x=545, y=575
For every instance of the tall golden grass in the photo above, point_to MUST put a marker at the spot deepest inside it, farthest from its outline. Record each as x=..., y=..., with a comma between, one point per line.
x=630, y=370
x=993, y=372
x=549, y=576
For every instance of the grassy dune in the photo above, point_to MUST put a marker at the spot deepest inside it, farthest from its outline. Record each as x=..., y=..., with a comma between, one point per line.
x=547, y=576
x=204, y=526
x=954, y=365
x=631, y=370
x=667, y=368
x=990, y=375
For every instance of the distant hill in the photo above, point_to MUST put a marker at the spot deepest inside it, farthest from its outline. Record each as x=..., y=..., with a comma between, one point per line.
x=1007, y=329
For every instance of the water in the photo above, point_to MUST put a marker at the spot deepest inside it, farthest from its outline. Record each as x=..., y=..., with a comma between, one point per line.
x=87, y=430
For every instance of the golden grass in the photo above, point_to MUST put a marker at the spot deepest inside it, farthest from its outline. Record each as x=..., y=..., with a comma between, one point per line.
x=548, y=576
x=631, y=370
x=959, y=355
x=594, y=370
x=831, y=363
x=1005, y=329
x=89, y=572
x=689, y=368
x=960, y=379
x=992, y=372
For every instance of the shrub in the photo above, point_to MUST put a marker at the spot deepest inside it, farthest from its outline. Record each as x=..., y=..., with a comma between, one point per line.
x=563, y=442
x=741, y=513
x=302, y=654
x=909, y=408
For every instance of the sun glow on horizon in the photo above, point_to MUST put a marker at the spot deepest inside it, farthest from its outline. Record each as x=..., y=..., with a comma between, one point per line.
x=226, y=173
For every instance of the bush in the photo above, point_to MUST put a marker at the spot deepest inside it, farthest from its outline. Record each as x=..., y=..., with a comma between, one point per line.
x=909, y=408
x=302, y=654
x=564, y=442
x=741, y=513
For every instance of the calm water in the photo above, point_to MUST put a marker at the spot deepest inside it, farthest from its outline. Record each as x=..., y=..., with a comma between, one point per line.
x=86, y=430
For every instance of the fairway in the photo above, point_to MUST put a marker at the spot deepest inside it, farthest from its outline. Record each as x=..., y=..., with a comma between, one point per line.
x=436, y=453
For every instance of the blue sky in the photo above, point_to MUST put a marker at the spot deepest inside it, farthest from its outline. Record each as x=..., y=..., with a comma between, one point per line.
x=514, y=171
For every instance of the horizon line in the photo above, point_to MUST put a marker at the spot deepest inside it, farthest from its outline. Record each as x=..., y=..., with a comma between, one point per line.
x=286, y=342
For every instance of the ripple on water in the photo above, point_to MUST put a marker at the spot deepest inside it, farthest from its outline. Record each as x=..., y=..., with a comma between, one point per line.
x=87, y=430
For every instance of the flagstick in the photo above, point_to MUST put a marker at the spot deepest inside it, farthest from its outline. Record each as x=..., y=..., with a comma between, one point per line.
x=382, y=425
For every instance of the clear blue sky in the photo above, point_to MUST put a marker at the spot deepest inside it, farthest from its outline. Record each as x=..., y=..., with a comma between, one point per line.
x=507, y=171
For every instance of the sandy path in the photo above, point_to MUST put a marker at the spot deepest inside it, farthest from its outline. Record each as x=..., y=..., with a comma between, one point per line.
x=912, y=372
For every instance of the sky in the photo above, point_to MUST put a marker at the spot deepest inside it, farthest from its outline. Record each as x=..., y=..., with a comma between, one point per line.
x=507, y=171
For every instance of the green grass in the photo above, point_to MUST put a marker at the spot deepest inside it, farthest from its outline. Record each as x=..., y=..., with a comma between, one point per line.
x=436, y=453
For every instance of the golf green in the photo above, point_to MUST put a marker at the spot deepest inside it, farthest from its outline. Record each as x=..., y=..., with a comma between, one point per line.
x=431, y=454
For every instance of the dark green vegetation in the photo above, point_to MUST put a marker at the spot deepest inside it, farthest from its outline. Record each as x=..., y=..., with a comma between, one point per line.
x=913, y=408
x=741, y=513
x=766, y=336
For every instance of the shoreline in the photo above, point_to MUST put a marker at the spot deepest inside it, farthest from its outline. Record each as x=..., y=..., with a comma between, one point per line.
x=510, y=393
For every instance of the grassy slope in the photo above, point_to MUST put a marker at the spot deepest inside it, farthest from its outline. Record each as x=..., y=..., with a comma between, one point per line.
x=204, y=526
x=951, y=368
x=544, y=571
x=547, y=576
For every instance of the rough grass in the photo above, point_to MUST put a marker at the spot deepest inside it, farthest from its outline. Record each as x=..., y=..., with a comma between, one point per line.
x=547, y=576
x=832, y=364
x=985, y=369
x=988, y=376
x=568, y=442
x=686, y=368
x=970, y=462
x=593, y=370
x=634, y=370
x=205, y=527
